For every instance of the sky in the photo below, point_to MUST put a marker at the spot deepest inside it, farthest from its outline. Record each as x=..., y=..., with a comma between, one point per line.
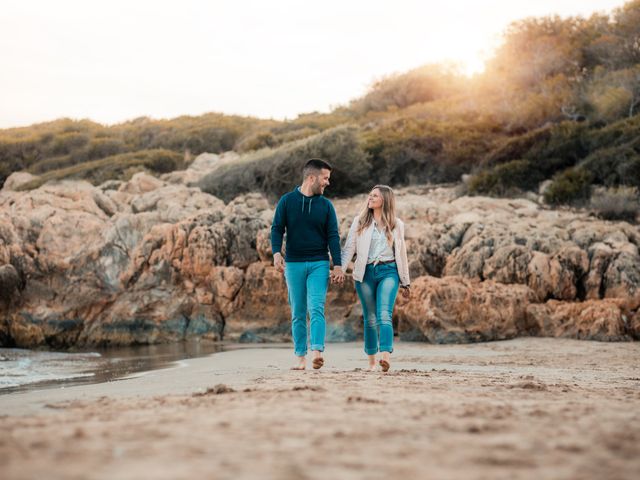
x=112, y=61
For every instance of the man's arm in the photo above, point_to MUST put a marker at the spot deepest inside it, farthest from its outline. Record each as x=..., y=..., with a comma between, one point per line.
x=278, y=227
x=333, y=237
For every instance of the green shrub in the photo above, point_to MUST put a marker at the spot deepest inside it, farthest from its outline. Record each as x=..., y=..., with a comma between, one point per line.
x=422, y=84
x=257, y=141
x=620, y=133
x=619, y=203
x=52, y=163
x=5, y=171
x=277, y=171
x=163, y=161
x=571, y=186
x=549, y=149
x=410, y=150
x=506, y=179
x=65, y=143
x=104, y=147
x=110, y=168
x=614, y=166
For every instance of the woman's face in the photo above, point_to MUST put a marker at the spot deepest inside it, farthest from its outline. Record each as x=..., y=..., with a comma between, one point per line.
x=375, y=199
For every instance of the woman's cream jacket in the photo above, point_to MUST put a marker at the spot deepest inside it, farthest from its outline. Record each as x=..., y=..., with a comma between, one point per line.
x=359, y=245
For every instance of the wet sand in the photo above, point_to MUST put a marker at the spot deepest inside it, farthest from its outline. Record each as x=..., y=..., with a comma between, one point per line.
x=528, y=408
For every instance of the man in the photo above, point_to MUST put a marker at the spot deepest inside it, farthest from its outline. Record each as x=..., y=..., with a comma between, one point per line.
x=310, y=222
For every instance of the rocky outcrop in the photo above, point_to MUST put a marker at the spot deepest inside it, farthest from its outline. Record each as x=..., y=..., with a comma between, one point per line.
x=138, y=263
x=203, y=165
x=560, y=255
x=156, y=260
x=459, y=310
x=602, y=320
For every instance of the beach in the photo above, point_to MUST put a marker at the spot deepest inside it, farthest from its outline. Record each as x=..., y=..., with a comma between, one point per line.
x=528, y=408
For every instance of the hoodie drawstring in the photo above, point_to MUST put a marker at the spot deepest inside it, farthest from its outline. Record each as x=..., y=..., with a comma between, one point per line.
x=303, y=199
x=310, y=200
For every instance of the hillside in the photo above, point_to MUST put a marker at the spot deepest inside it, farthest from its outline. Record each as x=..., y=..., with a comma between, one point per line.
x=559, y=101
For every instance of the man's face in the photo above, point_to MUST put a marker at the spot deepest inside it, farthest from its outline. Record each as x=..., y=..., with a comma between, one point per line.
x=321, y=182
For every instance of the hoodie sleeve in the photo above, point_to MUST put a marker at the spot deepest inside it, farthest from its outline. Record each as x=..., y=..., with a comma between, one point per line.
x=278, y=226
x=333, y=236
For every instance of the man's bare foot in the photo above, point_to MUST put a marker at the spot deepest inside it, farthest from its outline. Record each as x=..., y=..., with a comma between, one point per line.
x=318, y=361
x=385, y=363
x=302, y=364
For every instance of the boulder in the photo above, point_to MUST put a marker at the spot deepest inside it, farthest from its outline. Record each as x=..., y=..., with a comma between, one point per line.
x=601, y=320
x=16, y=180
x=458, y=310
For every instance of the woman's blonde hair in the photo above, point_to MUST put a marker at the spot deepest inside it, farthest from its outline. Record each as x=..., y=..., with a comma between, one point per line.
x=388, y=221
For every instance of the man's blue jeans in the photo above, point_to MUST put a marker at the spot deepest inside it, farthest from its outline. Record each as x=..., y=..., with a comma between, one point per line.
x=307, y=283
x=377, y=293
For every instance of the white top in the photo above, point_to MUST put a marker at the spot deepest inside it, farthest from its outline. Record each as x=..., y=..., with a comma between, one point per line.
x=379, y=250
x=360, y=245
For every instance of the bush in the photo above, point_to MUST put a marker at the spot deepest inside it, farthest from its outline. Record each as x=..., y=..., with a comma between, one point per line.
x=620, y=203
x=104, y=147
x=65, y=143
x=616, y=134
x=409, y=160
x=52, y=163
x=614, y=166
x=109, y=168
x=163, y=161
x=410, y=151
x=506, y=179
x=275, y=172
x=256, y=142
x=549, y=149
x=5, y=171
x=569, y=187
x=419, y=85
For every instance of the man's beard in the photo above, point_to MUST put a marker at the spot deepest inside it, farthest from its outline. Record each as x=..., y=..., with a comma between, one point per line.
x=317, y=188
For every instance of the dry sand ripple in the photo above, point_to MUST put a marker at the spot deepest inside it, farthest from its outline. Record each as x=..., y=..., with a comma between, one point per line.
x=520, y=409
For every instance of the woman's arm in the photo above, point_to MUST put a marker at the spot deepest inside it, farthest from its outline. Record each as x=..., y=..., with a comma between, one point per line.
x=350, y=245
x=404, y=277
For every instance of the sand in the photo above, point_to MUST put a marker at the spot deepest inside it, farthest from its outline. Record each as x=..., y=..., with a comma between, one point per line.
x=529, y=408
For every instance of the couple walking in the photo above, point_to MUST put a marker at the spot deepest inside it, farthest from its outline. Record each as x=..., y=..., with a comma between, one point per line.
x=376, y=238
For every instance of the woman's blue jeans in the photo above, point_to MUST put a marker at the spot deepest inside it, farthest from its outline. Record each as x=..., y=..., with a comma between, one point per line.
x=307, y=284
x=377, y=293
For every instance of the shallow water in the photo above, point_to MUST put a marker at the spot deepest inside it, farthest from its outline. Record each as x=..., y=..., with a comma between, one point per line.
x=22, y=370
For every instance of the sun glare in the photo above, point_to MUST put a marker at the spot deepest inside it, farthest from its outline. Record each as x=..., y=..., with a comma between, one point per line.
x=468, y=50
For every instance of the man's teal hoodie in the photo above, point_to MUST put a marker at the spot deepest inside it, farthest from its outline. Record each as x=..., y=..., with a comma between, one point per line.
x=311, y=226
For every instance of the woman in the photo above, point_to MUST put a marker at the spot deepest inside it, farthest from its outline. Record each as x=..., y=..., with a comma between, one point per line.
x=376, y=237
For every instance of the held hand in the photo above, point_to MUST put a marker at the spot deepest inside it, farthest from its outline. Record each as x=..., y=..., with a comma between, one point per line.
x=337, y=276
x=278, y=262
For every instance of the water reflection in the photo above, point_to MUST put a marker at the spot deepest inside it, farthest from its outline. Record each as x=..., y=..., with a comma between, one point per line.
x=22, y=370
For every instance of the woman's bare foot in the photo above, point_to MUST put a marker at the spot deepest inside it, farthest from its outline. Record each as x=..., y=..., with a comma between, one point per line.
x=302, y=364
x=372, y=363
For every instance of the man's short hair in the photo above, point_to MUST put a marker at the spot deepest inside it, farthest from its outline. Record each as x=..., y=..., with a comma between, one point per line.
x=313, y=167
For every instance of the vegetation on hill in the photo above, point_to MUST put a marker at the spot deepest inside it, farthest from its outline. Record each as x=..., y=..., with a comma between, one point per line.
x=559, y=100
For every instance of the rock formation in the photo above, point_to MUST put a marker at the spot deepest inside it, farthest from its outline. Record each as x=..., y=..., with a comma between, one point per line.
x=156, y=260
